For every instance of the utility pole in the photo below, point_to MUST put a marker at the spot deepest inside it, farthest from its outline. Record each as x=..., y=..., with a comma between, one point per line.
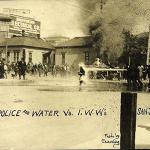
x=6, y=50
x=128, y=120
x=148, y=50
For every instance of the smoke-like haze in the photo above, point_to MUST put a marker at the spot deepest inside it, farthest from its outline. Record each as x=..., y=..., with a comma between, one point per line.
x=116, y=16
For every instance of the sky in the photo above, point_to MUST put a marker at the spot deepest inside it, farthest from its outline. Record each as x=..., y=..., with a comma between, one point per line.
x=57, y=17
x=62, y=17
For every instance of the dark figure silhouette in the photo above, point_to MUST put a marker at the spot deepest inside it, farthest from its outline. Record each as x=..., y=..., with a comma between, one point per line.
x=81, y=73
x=1, y=70
x=22, y=68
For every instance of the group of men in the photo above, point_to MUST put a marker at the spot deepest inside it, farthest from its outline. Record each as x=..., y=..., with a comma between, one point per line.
x=135, y=76
x=3, y=69
x=34, y=69
x=61, y=70
x=20, y=68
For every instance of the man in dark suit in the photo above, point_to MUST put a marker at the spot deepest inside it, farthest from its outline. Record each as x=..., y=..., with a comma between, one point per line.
x=22, y=68
x=1, y=70
x=81, y=73
x=148, y=73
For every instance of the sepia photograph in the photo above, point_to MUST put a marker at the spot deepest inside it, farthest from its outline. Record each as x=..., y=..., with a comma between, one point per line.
x=74, y=74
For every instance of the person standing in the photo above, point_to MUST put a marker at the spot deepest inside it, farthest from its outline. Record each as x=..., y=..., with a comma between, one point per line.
x=139, y=75
x=145, y=72
x=45, y=69
x=1, y=70
x=81, y=74
x=129, y=77
x=40, y=68
x=54, y=71
x=148, y=73
x=5, y=70
x=22, y=68
x=96, y=62
x=141, y=68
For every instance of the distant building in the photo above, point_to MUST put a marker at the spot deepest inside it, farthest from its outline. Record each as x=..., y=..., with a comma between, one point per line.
x=31, y=49
x=20, y=37
x=74, y=51
x=56, y=40
x=15, y=25
x=5, y=21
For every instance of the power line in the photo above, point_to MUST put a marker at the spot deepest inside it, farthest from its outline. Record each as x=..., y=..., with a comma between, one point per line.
x=81, y=8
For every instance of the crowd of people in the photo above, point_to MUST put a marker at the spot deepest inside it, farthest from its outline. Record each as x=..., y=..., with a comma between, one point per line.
x=61, y=70
x=20, y=69
x=15, y=69
x=135, y=75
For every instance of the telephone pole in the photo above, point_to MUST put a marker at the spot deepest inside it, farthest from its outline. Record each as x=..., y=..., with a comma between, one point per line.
x=148, y=50
x=6, y=50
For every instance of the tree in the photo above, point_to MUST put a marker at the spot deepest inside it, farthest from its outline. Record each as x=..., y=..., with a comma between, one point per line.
x=133, y=50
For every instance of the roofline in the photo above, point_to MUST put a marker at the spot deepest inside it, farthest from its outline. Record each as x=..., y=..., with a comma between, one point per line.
x=15, y=15
x=65, y=43
x=83, y=46
x=57, y=37
x=27, y=47
x=5, y=17
x=7, y=40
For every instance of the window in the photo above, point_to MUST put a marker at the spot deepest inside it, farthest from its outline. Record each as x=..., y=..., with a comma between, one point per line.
x=54, y=56
x=0, y=55
x=87, y=58
x=24, y=54
x=8, y=54
x=15, y=56
x=63, y=58
x=30, y=56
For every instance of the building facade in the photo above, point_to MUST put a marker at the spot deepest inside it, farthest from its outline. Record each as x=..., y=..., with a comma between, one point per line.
x=31, y=49
x=56, y=40
x=75, y=51
x=20, y=38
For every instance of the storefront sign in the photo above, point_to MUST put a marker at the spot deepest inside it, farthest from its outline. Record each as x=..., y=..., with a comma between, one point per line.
x=29, y=25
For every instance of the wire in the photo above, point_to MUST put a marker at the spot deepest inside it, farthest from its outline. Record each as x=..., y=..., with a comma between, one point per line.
x=81, y=8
